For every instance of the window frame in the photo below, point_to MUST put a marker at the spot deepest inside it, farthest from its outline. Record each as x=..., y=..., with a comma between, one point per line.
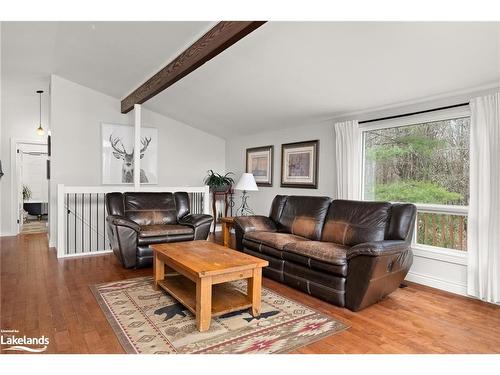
x=426, y=251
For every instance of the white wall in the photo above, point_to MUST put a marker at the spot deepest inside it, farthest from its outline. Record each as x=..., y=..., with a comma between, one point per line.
x=260, y=201
x=19, y=119
x=184, y=156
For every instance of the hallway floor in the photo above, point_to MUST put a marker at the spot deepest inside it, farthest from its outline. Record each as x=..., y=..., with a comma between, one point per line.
x=35, y=226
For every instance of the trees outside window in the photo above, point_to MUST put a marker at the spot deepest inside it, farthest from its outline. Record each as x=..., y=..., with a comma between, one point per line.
x=426, y=163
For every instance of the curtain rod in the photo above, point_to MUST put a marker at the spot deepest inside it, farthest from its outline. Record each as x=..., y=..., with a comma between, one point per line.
x=413, y=113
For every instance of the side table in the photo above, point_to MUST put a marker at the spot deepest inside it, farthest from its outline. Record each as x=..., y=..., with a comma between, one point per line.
x=227, y=224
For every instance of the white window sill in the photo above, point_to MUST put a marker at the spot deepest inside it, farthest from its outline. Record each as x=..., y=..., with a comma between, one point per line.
x=439, y=253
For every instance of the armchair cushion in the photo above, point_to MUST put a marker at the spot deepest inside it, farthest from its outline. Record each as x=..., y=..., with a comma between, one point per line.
x=150, y=208
x=164, y=230
x=195, y=220
x=146, y=241
x=114, y=204
x=254, y=223
x=123, y=221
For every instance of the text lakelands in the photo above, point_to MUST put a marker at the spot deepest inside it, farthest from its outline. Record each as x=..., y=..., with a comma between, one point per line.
x=13, y=340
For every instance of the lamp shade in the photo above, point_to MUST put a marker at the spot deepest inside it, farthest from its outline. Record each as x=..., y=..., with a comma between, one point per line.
x=246, y=182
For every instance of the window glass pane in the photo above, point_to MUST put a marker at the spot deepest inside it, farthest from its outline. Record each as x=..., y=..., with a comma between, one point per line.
x=422, y=163
x=442, y=230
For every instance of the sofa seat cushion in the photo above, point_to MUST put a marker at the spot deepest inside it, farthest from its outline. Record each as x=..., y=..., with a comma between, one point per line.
x=322, y=256
x=164, y=230
x=273, y=239
x=262, y=248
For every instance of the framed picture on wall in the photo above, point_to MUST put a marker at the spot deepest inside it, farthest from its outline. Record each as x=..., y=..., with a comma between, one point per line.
x=259, y=162
x=118, y=154
x=299, y=164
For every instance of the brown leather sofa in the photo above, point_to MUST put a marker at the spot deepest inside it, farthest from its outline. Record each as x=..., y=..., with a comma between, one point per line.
x=349, y=253
x=137, y=220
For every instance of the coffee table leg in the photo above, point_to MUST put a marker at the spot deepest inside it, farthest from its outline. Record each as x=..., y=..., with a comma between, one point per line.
x=225, y=234
x=254, y=285
x=158, y=269
x=203, y=303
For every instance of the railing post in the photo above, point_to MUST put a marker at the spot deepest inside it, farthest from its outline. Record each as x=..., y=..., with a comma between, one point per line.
x=206, y=200
x=61, y=233
x=137, y=147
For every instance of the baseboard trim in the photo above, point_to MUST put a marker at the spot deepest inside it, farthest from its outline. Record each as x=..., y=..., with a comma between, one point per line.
x=438, y=283
x=7, y=234
x=443, y=255
x=79, y=255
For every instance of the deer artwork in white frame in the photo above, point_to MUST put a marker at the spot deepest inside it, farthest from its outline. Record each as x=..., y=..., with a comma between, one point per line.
x=118, y=154
x=121, y=153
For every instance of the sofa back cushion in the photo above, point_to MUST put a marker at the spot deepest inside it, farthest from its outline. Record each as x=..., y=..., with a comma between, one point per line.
x=353, y=222
x=402, y=221
x=277, y=207
x=304, y=216
x=150, y=208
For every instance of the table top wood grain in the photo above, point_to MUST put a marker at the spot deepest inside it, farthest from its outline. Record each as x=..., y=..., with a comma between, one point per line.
x=207, y=258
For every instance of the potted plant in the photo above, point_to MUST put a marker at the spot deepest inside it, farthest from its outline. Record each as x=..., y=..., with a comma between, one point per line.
x=26, y=193
x=218, y=182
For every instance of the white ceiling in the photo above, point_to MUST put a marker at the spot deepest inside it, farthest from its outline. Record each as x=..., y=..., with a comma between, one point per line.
x=283, y=74
x=111, y=57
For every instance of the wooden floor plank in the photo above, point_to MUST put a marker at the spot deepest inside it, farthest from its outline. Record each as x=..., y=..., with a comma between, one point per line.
x=41, y=295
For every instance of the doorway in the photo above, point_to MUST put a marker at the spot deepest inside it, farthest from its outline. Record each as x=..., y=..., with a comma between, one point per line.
x=31, y=187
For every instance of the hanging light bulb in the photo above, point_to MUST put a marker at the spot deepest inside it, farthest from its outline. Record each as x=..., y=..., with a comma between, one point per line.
x=40, y=131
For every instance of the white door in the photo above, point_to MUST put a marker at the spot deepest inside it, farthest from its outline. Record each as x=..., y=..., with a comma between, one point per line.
x=19, y=176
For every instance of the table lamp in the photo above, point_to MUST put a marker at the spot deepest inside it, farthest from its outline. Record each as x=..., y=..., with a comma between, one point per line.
x=245, y=183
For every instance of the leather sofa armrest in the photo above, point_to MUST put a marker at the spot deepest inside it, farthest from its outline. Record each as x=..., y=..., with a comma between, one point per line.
x=199, y=222
x=245, y=224
x=123, y=222
x=195, y=220
x=122, y=235
x=378, y=248
x=254, y=223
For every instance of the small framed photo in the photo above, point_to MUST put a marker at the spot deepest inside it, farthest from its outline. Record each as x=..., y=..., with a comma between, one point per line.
x=299, y=164
x=260, y=164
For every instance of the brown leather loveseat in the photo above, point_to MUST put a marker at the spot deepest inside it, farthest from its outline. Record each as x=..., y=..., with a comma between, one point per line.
x=137, y=220
x=349, y=253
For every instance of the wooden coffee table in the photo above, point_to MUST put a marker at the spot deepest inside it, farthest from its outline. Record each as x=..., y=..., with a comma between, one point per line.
x=196, y=273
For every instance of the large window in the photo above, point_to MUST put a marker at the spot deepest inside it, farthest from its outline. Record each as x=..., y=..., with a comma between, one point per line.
x=425, y=163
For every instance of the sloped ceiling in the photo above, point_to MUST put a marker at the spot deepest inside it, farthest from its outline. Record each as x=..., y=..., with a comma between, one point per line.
x=283, y=74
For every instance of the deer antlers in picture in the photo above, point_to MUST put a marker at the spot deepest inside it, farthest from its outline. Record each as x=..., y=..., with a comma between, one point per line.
x=145, y=143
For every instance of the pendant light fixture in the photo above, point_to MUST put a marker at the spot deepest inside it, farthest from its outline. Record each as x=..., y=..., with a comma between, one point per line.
x=40, y=131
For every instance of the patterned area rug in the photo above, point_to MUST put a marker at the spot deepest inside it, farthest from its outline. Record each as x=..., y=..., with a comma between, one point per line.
x=149, y=321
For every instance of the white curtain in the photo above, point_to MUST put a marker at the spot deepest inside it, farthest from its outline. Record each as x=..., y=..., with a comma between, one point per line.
x=483, y=269
x=348, y=151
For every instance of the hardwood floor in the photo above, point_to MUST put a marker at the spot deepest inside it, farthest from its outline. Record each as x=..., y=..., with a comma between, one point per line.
x=41, y=295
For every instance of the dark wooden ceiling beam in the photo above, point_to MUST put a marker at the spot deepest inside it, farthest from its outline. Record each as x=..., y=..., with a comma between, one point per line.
x=217, y=39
